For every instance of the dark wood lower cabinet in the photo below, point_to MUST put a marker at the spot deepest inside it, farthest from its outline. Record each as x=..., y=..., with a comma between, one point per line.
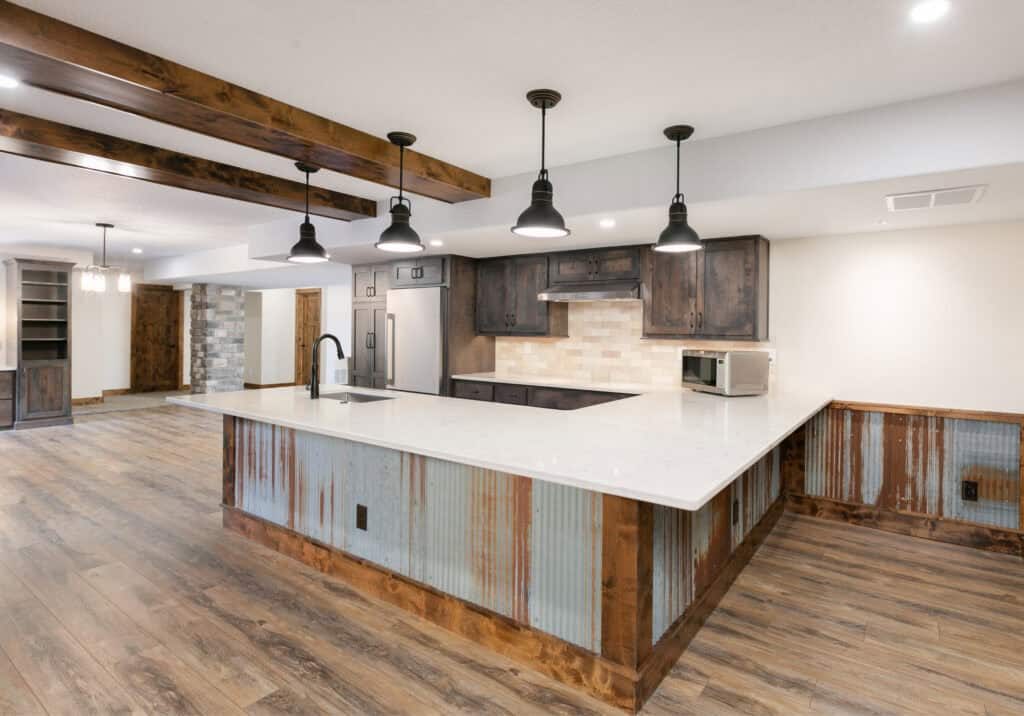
x=535, y=396
x=6, y=399
x=44, y=390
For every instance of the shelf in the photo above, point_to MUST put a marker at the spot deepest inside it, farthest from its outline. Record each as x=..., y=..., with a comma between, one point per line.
x=43, y=283
x=44, y=320
x=41, y=340
x=44, y=300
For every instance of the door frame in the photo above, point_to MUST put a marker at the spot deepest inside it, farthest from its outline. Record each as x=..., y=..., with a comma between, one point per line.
x=300, y=379
x=179, y=308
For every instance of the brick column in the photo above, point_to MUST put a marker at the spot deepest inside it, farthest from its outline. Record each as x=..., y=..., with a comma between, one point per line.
x=218, y=338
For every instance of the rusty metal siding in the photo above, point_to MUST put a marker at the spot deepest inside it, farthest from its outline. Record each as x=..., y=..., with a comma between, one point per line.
x=916, y=463
x=526, y=549
x=983, y=451
x=565, y=563
x=673, y=584
x=690, y=548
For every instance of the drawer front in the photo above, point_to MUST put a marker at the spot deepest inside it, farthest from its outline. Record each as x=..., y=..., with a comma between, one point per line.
x=567, y=399
x=6, y=413
x=474, y=391
x=7, y=384
x=515, y=394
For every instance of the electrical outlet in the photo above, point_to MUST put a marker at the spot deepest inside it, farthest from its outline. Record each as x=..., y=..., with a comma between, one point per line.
x=735, y=512
x=361, y=517
x=969, y=490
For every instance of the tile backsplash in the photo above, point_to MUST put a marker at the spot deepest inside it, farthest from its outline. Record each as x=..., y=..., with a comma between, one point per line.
x=605, y=344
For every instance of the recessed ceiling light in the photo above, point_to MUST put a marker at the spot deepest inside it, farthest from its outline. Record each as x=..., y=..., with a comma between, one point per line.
x=929, y=11
x=136, y=250
x=436, y=242
x=8, y=82
x=607, y=223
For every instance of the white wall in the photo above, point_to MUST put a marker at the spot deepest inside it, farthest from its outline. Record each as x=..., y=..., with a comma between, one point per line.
x=931, y=317
x=251, y=371
x=336, y=318
x=100, y=340
x=277, y=336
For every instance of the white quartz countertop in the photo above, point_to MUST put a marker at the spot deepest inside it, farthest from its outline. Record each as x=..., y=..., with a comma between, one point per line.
x=672, y=447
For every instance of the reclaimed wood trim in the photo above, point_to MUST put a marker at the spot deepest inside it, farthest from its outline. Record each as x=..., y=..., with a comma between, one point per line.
x=90, y=400
x=627, y=579
x=116, y=391
x=261, y=386
x=59, y=57
x=37, y=138
x=1020, y=483
x=793, y=461
x=565, y=662
x=983, y=415
x=938, y=529
x=671, y=646
x=229, y=461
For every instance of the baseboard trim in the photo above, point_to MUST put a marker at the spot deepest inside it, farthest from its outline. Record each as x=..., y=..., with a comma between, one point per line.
x=938, y=529
x=43, y=423
x=261, y=386
x=672, y=645
x=91, y=400
x=565, y=662
x=117, y=391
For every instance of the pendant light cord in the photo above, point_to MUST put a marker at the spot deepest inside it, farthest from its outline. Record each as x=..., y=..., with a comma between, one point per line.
x=104, y=261
x=401, y=172
x=307, y=196
x=543, y=141
x=678, y=194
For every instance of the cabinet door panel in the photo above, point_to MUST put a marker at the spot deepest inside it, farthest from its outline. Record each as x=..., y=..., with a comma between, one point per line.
x=529, y=315
x=617, y=264
x=362, y=282
x=670, y=293
x=729, y=296
x=492, y=309
x=469, y=390
x=361, y=318
x=43, y=390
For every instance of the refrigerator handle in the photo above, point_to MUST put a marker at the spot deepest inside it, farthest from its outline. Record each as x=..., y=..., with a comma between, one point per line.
x=390, y=339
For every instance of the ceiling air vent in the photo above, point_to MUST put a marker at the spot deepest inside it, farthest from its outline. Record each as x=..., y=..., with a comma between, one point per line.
x=935, y=197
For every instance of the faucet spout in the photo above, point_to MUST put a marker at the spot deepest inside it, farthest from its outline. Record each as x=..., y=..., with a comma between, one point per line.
x=314, y=364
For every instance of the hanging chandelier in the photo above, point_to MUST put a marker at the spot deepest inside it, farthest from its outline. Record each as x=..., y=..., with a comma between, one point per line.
x=94, y=278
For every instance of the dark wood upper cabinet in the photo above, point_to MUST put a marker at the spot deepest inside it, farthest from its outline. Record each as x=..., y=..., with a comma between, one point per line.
x=718, y=292
x=670, y=290
x=427, y=271
x=618, y=264
x=506, y=298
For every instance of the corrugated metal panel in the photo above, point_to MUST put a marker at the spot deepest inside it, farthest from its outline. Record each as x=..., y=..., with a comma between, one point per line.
x=916, y=463
x=525, y=549
x=988, y=453
x=673, y=587
x=565, y=593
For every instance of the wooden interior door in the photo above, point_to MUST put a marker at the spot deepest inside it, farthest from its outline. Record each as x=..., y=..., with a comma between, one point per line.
x=156, y=335
x=307, y=330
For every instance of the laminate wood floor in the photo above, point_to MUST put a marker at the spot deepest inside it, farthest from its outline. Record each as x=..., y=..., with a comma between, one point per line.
x=121, y=593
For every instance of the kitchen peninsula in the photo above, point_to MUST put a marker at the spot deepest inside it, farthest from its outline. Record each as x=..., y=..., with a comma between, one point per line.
x=588, y=544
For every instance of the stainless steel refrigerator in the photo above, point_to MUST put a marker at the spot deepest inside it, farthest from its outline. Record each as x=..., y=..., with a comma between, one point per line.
x=415, y=339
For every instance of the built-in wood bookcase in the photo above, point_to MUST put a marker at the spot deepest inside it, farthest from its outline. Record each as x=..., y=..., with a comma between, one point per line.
x=39, y=328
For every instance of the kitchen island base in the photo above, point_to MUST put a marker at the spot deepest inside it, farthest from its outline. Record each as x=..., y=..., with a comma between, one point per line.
x=598, y=591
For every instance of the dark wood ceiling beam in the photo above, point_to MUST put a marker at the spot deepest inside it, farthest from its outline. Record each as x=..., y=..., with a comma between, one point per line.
x=54, y=142
x=53, y=55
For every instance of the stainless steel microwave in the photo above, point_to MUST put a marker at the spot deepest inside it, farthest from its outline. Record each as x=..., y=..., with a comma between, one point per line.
x=726, y=372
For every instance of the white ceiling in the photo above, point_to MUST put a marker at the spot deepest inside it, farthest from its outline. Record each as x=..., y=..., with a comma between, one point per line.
x=454, y=72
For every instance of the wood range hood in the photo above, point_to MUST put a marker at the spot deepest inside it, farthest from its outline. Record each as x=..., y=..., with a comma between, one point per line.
x=49, y=54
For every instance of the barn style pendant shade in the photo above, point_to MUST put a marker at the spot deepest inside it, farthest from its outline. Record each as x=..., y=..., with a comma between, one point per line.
x=541, y=220
x=400, y=237
x=678, y=236
x=307, y=250
x=94, y=278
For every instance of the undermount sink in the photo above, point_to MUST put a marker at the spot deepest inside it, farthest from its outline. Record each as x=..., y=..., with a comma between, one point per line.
x=347, y=397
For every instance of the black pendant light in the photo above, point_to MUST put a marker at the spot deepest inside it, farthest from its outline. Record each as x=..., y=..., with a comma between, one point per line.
x=307, y=250
x=678, y=236
x=541, y=220
x=400, y=237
